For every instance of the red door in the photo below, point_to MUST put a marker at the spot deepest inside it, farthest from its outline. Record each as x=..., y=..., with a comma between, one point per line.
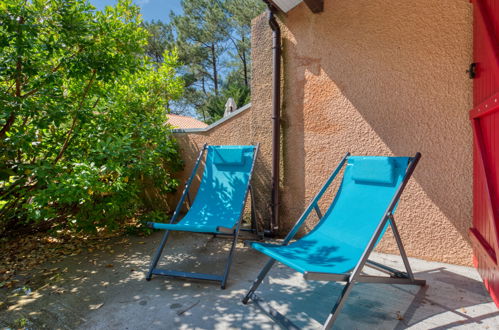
x=485, y=120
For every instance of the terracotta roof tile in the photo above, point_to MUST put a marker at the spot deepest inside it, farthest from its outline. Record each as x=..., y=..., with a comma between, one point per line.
x=184, y=122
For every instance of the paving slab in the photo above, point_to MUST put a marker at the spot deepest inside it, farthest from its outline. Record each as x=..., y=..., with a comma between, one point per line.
x=107, y=290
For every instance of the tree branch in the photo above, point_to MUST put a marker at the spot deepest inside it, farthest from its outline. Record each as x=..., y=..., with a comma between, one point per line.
x=53, y=70
x=31, y=92
x=19, y=67
x=75, y=117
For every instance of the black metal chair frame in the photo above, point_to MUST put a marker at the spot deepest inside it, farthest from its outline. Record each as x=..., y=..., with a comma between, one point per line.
x=395, y=276
x=234, y=232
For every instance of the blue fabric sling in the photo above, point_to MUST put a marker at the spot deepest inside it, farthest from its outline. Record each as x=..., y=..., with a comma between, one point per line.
x=339, y=239
x=222, y=192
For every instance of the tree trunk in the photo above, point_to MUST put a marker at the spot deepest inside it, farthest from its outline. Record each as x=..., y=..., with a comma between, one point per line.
x=75, y=118
x=214, y=64
x=203, y=86
x=245, y=64
x=204, y=91
x=19, y=67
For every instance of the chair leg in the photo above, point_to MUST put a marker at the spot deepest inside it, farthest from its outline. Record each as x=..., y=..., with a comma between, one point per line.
x=229, y=261
x=254, y=224
x=157, y=255
x=403, y=254
x=338, y=306
x=258, y=280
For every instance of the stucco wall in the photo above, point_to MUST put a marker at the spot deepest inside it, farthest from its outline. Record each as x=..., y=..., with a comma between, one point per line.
x=382, y=77
x=370, y=77
x=261, y=113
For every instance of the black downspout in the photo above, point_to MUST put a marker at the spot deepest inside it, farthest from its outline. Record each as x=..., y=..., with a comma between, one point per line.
x=276, y=118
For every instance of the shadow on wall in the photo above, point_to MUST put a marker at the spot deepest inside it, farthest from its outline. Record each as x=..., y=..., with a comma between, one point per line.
x=189, y=152
x=294, y=148
x=373, y=77
x=259, y=184
x=153, y=197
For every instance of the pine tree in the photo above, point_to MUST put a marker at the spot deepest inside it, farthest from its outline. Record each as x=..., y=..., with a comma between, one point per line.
x=212, y=40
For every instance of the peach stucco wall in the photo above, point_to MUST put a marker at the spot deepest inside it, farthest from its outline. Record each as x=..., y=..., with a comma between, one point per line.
x=384, y=77
x=370, y=77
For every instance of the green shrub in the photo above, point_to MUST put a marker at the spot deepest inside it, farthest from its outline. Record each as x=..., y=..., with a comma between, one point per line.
x=82, y=114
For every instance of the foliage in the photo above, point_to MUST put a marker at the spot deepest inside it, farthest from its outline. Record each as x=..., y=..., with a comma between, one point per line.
x=213, y=43
x=214, y=107
x=240, y=14
x=159, y=36
x=82, y=113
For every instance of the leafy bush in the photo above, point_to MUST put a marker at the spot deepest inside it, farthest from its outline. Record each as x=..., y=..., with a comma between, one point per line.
x=83, y=112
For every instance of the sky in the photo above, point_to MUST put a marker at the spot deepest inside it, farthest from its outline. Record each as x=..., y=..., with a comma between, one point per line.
x=151, y=9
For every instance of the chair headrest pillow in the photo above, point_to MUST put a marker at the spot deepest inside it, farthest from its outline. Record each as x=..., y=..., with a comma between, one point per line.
x=374, y=170
x=228, y=156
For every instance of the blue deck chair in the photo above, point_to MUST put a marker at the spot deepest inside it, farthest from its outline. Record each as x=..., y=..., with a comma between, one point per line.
x=339, y=246
x=218, y=206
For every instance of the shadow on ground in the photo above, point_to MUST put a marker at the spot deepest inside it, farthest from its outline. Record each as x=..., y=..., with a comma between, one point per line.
x=107, y=290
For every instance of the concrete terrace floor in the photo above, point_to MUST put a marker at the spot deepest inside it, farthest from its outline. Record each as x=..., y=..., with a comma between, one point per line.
x=107, y=290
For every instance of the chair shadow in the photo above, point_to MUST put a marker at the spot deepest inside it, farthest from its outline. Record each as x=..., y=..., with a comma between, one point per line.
x=441, y=304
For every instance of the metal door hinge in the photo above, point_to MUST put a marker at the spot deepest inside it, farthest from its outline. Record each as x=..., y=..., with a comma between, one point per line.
x=472, y=71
